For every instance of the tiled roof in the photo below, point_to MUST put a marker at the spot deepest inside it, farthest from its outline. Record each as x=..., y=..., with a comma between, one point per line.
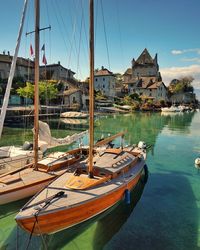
x=145, y=58
x=69, y=92
x=103, y=72
x=128, y=71
x=55, y=65
x=20, y=60
x=145, y=82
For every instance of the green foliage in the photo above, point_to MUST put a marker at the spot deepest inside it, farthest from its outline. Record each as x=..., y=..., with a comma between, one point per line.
x=150, y=102
x=99, y=95
x=27, y=91
x=47, y=90
x=162, y=103
x=127, y=100
x=181, y=85
x=135, y=97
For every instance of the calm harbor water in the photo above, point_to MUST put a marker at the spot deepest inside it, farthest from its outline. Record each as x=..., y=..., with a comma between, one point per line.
x=167, y=215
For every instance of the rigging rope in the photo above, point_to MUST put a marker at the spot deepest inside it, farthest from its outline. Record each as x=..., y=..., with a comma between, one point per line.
x=79, y=44
x=119, y=29
x=106, y=40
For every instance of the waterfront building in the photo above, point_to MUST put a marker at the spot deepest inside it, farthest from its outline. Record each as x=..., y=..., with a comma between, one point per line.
x=71, y=98
x=144, y=78
x=105, y=81
x=57, y=72
x=24, y=67
x=183, y=98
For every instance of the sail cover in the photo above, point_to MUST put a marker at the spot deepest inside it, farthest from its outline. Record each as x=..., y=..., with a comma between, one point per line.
x=45, y=137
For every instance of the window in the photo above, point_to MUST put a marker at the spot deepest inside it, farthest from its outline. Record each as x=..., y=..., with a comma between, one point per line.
x=103, y=79
x=103, y=86
x=96, y=79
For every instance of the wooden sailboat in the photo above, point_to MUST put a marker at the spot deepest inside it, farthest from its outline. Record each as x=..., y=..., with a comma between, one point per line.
x=97, y=184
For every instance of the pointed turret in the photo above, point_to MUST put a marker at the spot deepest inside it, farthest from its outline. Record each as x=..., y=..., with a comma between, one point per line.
x=145, y=58
x=156, y=61
x=133, y=62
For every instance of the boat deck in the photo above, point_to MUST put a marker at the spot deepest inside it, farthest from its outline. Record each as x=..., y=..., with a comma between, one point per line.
x=72, y=197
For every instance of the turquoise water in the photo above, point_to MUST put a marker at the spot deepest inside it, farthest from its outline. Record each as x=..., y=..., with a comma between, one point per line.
x=167, y=215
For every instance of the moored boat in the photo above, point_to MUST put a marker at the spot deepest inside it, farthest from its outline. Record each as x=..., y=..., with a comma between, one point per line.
x=170, y=109
x=27, y=181
x=74, y=197
x=78, y=115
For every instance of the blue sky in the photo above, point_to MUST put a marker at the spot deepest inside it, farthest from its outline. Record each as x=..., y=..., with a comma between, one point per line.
x=169, y=28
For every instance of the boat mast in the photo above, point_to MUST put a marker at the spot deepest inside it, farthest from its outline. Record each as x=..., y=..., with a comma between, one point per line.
x=91, y=91
x=36, y=88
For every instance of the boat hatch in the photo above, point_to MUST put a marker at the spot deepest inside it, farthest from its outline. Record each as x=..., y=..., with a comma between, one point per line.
x=84, y=182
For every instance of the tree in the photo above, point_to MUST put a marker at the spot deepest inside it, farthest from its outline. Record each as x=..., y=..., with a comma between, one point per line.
x=27, y=91
x=47, y=91
x=181, y=85
x=135, y=97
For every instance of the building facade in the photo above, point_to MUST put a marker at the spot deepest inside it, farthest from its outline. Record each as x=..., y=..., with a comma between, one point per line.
x=56, y=72
x=105, y=81
x=24, y=67
x=144, y=78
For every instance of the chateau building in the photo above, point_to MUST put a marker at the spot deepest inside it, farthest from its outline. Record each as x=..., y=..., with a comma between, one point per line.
x=144, y=78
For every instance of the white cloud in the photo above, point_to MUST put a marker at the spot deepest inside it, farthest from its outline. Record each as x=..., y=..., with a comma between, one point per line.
x=179, y=52
x=194, y=59
x=176, y=72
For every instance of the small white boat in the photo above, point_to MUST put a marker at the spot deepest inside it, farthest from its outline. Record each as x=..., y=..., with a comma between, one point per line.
x=73, y=121
x=78, y=115
x=170, y=109
x=123, y=107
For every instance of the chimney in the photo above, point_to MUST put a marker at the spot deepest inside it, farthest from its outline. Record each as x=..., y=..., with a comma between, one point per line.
x=59, y=62
x=102, y=67
x=8, y=53
x=4, y=52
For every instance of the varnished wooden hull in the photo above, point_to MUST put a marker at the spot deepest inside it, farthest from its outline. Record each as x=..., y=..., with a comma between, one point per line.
x=67, y=217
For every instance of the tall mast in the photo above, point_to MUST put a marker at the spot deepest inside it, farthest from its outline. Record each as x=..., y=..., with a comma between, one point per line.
x=36, y=88
x=91, y=91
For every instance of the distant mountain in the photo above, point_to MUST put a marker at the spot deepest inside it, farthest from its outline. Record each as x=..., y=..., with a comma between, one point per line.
x=197, y=92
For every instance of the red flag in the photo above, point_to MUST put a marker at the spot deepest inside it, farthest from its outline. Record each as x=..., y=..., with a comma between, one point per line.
x=44, y=60
x=31, y=50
